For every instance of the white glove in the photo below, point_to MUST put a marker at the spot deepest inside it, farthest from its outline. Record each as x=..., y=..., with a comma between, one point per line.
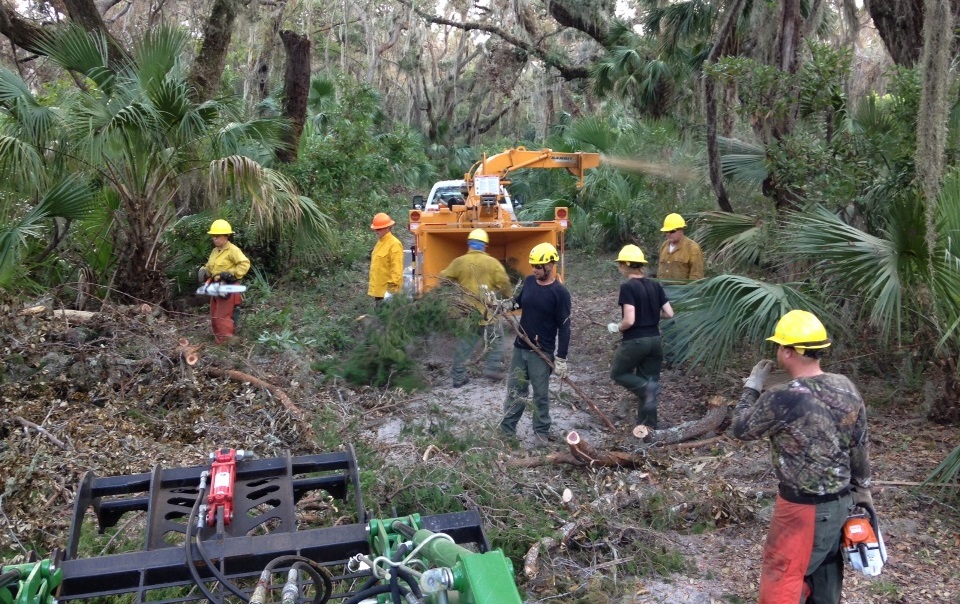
x=387, y=296
x=560, y=368
x=203, y=274
x=759, y=375
x=613, y=327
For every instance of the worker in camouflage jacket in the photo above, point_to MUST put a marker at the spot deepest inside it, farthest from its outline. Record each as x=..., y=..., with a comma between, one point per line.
x=485, y=278
x=817, y=426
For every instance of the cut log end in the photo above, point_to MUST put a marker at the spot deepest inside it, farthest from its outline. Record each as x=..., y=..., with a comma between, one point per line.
x=573, y=438
x=641, y=432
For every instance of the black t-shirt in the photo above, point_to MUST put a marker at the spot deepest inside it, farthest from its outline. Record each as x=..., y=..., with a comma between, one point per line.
x=647, y=298
x=546, y=315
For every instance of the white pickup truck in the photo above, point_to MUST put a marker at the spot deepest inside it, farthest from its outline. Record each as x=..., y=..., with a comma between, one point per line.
x=446, y=193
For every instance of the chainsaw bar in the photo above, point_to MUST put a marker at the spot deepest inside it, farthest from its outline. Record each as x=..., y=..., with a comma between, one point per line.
x=219, y=288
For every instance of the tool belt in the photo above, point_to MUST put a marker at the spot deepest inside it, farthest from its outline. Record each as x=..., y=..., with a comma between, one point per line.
x=794, y=496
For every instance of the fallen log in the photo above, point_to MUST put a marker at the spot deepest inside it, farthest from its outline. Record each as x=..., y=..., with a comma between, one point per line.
x=189, y=353
x=295, y=411
x=531, y=564
x=716, y=412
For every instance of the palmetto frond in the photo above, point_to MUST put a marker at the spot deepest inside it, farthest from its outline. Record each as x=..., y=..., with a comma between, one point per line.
x=679, y=23
x=76, y=49
x=70, y=198
x=20, y=161
x=874, y=269
x=742, y=162
x=723, y=314
x=26, y=117
x=592, y=132
x=738, y=239
x=274, y=202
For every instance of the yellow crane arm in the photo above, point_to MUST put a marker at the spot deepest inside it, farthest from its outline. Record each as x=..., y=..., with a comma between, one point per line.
x=511, y=160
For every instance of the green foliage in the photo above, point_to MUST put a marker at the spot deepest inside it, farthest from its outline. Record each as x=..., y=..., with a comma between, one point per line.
x=386, y=354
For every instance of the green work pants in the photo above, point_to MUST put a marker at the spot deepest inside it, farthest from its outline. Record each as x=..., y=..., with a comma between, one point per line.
x=527, y=370
x=490, y=335
x=636, y=367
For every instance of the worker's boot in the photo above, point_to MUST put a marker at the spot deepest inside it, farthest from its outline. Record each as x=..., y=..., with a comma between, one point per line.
x=647, y=412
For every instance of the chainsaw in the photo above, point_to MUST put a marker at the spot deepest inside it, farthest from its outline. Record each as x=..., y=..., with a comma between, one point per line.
x=219, y=288
x=862, y=542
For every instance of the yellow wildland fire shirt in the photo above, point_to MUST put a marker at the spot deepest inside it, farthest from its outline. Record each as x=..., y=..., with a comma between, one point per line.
x=685, y=263
x=477, y=271
x=386, y=266
x=228, y=260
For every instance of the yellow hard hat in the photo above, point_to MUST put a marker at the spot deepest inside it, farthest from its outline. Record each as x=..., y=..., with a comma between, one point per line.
x=631, y=253
x=673, y=222
x=220, y=227
x=479, y=235
x=543, y=253
x=801, y=330
x=382, y=221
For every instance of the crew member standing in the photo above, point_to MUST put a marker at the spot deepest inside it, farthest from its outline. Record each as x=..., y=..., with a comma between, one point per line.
x=386, y=260
x=482, y=275
x=681, y=258
x=817, y=426
x=226, y=264
x=636, y=364
x=545, y=320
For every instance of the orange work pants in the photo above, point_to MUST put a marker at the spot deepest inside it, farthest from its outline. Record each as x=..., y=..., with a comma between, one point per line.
x=221, y=315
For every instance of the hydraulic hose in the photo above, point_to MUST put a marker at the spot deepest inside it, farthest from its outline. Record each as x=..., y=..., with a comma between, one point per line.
x=226, y=582
x=376, y=590
x=321, y=576
x=9, y=577
x=188, y=544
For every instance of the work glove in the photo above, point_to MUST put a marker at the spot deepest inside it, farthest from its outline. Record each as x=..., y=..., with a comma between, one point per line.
x=203, y=274
x=387, y=296
x=613, y=327
x=862, y=497
x=759, y=375
x=228, y=277
x=560, y=368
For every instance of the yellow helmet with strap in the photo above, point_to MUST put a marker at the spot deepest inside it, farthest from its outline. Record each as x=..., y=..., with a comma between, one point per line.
x=543, y=253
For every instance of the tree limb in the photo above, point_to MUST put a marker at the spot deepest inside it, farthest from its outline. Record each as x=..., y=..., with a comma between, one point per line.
x=567, y=71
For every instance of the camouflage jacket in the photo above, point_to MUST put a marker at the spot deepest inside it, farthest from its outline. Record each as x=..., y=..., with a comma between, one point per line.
x=817, y=428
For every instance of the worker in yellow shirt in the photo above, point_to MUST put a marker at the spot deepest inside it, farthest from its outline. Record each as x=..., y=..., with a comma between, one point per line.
x=681, y=258
x=483, y=276
x=226, y=264
x=386, y=261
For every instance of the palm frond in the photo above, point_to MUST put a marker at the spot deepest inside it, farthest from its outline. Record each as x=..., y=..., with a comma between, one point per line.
x=738, y=240
x=70, y=198
x=871, y=268
x=157, y=54
x=592, y=132
x=742, y=162
x=20, y=161
x=77, y=49
x=723, y=314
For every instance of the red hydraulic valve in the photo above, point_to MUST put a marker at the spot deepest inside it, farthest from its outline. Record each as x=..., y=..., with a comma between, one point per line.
x=224, y=473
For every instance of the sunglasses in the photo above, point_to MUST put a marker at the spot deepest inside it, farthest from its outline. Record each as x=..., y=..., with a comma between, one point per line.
x=673, y=231
x=538, y=266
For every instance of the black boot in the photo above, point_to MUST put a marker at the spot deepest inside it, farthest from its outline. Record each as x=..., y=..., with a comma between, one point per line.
x=647, y=413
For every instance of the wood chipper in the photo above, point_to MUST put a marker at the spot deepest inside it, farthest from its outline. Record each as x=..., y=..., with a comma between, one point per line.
x=441, y=223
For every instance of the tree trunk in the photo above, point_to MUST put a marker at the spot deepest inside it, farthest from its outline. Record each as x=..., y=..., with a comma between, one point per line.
x=946, y=408
x=296, y=90
x=929, y=161
x=208, y=66
x=900, y=24
x=710, y=105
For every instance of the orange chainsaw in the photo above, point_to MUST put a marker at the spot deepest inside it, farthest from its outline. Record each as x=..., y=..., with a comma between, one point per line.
x=862, y=542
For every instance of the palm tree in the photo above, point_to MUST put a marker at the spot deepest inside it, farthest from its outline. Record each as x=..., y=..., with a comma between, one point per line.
x=135, y=131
